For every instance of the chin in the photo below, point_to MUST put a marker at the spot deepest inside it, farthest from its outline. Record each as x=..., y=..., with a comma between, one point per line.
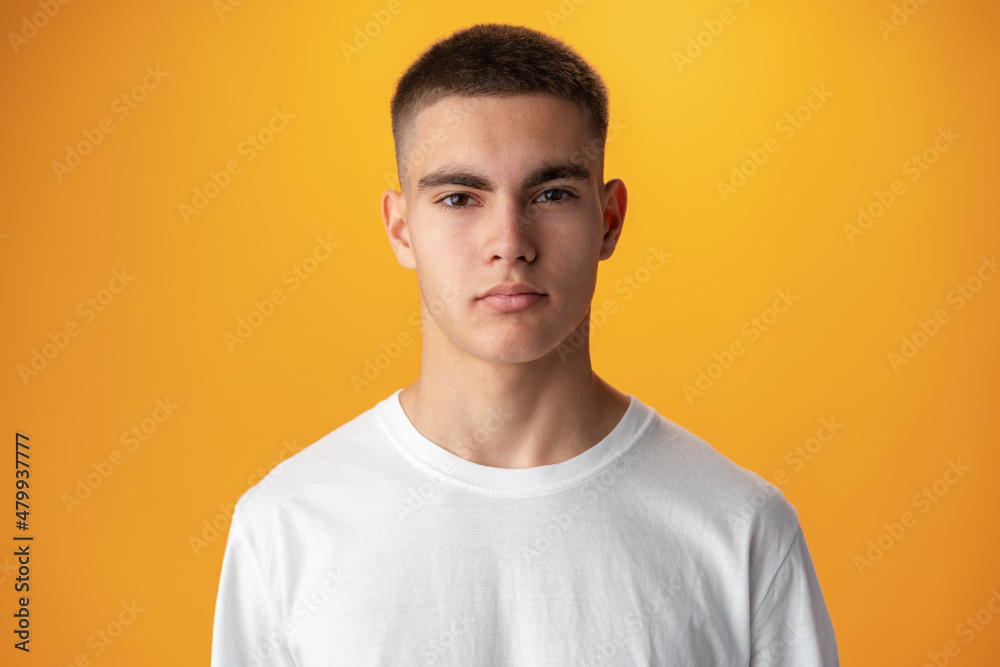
x=511, y=349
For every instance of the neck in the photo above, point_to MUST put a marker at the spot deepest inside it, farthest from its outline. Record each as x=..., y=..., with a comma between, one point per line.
x=511, y=415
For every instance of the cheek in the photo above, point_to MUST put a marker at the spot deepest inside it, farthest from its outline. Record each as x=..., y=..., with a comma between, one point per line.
x=578, y=232
x=443, y=240
x=439, y=293
x=576, y=252
x=443, y=272
x=581, y=279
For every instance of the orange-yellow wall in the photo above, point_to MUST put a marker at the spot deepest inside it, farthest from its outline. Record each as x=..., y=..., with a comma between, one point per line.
x=682, y=126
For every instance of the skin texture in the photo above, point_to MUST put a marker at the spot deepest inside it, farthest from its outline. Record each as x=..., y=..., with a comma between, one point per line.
x=492, y=387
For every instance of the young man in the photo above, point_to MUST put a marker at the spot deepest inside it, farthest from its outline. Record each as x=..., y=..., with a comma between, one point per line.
x=510, y=507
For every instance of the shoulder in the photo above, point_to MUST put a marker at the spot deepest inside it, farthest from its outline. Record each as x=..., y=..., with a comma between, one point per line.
x=725, y=510
x=342, y=457
x=693, y=474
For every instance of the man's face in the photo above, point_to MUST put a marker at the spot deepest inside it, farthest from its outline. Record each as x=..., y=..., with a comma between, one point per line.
x=503, y=190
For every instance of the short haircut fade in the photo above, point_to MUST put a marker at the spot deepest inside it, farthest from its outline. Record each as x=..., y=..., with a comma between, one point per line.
x=496, y=59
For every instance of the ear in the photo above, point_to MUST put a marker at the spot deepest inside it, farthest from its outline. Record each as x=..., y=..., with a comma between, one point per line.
x=614, y=215
x=396, y=227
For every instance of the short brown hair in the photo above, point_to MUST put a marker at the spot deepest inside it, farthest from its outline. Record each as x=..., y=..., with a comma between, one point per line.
x=496, y=59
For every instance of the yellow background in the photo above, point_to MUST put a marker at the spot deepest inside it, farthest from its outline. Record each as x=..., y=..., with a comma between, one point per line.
x=682, y=129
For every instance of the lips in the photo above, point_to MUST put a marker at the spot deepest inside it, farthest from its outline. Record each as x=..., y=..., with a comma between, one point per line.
x=509, y=303
x=512, y=297
x=512, y=289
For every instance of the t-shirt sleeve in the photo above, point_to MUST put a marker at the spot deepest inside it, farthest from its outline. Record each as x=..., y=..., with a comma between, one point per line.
x=247, y=631
x=791, y=627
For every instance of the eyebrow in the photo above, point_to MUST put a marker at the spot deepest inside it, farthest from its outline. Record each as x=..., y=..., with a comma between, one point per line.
x=471, y=177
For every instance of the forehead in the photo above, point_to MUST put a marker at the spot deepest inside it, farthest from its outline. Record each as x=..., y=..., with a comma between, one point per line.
x=491, y=108
x=503, y=132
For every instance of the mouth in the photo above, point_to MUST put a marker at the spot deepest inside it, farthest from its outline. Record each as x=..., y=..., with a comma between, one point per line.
x=509, y=303
x=509, y=298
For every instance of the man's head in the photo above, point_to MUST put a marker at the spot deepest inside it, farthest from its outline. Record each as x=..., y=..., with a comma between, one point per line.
x=500, y=133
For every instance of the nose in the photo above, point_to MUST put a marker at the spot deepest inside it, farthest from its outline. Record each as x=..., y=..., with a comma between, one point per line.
x=510, y=233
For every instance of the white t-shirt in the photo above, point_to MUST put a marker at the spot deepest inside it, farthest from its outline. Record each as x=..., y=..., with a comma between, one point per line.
x=375, y=546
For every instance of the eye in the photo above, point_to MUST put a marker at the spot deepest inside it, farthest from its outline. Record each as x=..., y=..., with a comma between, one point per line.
x=462, y=199
x=569, y=196
x=443, y=201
